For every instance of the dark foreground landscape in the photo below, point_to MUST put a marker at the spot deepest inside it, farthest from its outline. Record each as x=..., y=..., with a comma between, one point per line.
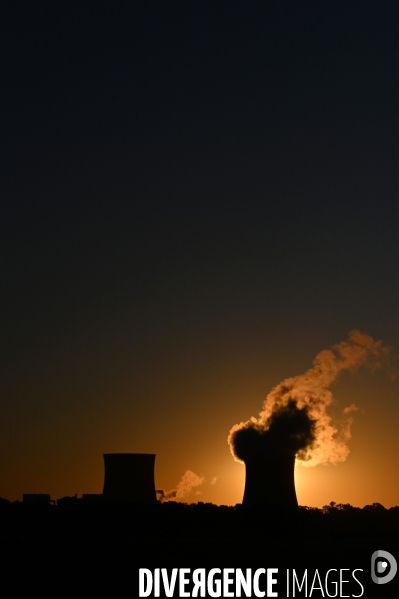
x=84, y=550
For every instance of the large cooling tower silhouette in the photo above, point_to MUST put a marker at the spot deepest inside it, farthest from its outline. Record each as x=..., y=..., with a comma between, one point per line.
x=129, y=476
x=269, y=480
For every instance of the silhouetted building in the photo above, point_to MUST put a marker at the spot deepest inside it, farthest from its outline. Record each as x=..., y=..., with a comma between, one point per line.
x=37, y=498
x=129, y=476
x=269, y=480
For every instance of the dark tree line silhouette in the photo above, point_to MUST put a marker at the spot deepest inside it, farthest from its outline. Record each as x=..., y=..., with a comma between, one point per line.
x=96, y=549
x=197, y=519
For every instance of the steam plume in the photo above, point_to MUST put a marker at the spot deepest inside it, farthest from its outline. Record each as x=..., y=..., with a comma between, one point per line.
x=188, y=481
x=294, y=419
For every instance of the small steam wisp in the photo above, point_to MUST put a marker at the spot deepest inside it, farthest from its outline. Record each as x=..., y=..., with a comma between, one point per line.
x=187, y=483
x=295, y=419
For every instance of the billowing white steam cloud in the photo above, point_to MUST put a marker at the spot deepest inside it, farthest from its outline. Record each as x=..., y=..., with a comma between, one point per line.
x=187, y=483
x=295, y=413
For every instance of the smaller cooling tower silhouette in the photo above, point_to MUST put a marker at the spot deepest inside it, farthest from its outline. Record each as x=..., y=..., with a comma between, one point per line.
x=269, y=480
x=129, y=477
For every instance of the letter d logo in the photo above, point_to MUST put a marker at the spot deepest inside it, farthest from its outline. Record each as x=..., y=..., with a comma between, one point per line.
x=382, y=566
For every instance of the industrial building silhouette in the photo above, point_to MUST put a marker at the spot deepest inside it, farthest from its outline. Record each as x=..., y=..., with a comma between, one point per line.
x=269, y=480
x=130, y=477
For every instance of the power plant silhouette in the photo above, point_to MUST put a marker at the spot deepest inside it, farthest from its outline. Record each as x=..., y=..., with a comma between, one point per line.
x=268, y=450
x=129, y=477
x=269, y=480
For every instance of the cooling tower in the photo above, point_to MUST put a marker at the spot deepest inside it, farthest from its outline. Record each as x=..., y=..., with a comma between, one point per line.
x=129, y=477
x=269, y=480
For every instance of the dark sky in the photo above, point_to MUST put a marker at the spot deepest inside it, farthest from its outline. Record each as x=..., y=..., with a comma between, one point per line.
x=188, y=188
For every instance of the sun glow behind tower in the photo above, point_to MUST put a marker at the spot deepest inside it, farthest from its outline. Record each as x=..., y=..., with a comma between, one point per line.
x=295, y=423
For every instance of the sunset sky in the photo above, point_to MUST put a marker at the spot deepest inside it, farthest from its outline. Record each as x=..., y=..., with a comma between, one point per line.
x=196, y=199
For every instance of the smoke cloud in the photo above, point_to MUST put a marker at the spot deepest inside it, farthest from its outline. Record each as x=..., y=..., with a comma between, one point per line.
x=294, y=419
x=187, y=483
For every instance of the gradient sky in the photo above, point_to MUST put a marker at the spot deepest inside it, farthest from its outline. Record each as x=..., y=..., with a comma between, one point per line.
x=196, y=199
